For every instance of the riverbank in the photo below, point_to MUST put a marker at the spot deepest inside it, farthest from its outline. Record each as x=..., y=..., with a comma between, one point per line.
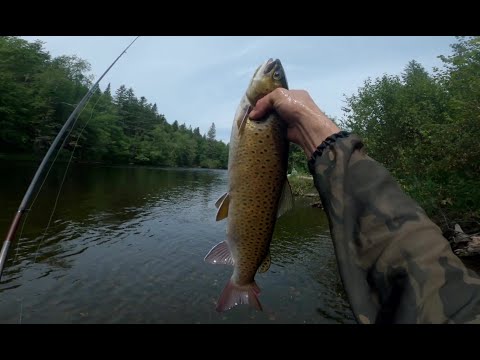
x=302, y=185
x=65, y=158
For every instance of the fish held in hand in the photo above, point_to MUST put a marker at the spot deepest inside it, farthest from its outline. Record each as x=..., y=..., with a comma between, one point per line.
x=258, y=190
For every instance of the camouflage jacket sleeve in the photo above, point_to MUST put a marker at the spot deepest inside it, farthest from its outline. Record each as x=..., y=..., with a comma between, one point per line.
x=395, y=265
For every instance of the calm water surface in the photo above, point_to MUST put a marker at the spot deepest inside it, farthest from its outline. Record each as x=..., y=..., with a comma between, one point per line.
x=126, y=245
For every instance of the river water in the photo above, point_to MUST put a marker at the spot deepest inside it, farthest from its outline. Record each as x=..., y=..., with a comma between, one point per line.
x=126, y=245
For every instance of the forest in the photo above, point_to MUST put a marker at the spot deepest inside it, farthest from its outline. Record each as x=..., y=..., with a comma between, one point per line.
x=425, y=129
x=39, y=92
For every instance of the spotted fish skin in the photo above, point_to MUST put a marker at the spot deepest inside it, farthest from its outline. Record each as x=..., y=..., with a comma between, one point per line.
x=258, y=191
x=258, y=175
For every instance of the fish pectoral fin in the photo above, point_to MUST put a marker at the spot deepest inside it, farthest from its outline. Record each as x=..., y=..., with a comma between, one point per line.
x=286, y=199
x=220, y=199
x=220, y=254
x=242, y=121
x=222, y=212
x=265, y=264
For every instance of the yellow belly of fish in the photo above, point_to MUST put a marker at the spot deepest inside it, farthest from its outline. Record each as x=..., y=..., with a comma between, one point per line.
x=257, y=176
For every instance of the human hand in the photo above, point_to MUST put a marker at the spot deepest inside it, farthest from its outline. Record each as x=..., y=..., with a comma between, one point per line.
x=308, y=126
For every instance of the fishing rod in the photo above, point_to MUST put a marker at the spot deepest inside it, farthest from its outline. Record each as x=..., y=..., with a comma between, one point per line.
x=23, y=208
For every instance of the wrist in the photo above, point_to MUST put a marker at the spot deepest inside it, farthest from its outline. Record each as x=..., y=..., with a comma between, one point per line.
x=314, y=130
x=330, y=140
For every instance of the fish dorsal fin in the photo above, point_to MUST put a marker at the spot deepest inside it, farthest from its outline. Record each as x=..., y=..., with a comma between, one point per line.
x=242, y=121
x=265, y=264
x=220, y=254
x=286, y=199
x=222, y=205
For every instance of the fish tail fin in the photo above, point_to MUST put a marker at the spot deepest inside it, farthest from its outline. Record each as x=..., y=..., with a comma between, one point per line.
x=234, y=295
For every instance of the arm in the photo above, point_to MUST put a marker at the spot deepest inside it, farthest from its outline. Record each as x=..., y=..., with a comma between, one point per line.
x=395, y=265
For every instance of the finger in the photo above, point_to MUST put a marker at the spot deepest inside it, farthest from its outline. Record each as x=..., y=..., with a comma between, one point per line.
x=267, y=103
x=263, y=106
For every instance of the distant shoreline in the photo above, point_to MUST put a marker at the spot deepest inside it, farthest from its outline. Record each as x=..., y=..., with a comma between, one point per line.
x=36, y=158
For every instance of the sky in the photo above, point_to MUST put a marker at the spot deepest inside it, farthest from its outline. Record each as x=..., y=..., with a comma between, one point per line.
x=201, y=79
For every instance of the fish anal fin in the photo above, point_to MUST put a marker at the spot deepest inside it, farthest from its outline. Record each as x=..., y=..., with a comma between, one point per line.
x=220, y=254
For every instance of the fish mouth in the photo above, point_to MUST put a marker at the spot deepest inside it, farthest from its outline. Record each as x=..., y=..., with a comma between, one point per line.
x=271, y=64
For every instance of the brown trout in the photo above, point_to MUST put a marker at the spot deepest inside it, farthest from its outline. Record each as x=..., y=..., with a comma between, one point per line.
x=258, y=191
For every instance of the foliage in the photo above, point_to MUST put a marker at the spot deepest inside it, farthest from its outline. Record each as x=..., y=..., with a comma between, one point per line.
x=38, y=93
x=425, y=128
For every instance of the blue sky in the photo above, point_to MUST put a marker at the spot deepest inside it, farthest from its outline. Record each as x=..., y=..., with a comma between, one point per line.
x=200, y=80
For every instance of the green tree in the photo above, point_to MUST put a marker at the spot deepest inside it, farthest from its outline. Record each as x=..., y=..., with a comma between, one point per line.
x=425, y=130
x=212, y=133
x=108, y=92
x=21, y=63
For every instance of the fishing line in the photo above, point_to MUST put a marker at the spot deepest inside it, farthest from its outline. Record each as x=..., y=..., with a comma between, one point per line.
x=58, y=152
x=25, y=207
x=19, y=239
x=43, y=183
x=31, y=191
x=21, y=312
x=65, y=173
x=58, y=194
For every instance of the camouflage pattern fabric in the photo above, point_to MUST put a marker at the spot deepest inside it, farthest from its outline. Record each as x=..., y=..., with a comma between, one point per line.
x=395, y=265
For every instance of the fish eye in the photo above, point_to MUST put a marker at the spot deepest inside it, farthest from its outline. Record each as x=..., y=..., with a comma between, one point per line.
x=277, y=75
